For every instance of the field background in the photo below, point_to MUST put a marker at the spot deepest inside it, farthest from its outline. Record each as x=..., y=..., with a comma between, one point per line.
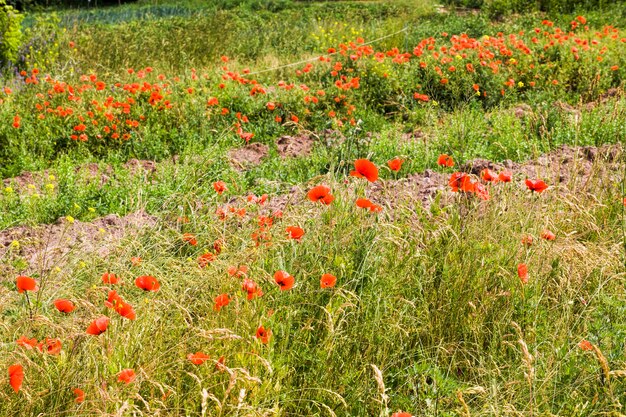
x=117, y=122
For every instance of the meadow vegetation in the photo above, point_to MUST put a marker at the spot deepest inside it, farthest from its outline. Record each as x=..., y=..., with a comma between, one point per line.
x=314, y=208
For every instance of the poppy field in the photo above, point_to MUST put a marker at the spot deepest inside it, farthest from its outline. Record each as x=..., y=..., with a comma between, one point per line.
x=387, y=209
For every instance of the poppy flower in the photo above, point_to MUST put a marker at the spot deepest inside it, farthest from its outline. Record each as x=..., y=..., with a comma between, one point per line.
x=135, y=260
x=295, y=232
x=16, y=376
x=548, y=235
x=263, y=334
x=585, y=345
x=147, y=283
x=27, y=343
x=51, y=346
x=536, y=185
x=320, y=193
x=488, y=175
x=401, y=414
x=98, y=326
x=395, y=164
x=284, y=280
x=365, y=169
x=79, y=395
x=110, y=278
x=126, y=375
x=251, y=288
x=219, y=365
x=481, y=191
x=219, y=186
x=461, y=181
x=25, y=284
x=505, y=176
x=190, y=238
x=205, y=259
x=198, y=358
x=364, y=203
x=522, y=273
x=240, y=271
x=328, y=281
x=221, y=300
x=64, y=306
x=527, y=240
x=445, y=160
x=124, y=309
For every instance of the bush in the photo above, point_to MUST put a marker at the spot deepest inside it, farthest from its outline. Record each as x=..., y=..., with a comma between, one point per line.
x=10, y=33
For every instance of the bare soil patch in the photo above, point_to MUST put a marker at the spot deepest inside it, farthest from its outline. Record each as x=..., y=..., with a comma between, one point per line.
x=294, y=146
x=250, y=155
x=46, y=246
x=140, y=165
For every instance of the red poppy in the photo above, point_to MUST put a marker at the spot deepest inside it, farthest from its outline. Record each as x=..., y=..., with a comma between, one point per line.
x=488, y=175
x=205, y=259
x=190, y=238
x=328, y=281
x=147, y=283
x=462, y=181
x=284, y=280
x=365, y=169
x=217, y=246
x=27, y=343
x=395, y=164
x=548, y=235
x=536, y=185
x=505, y=176
x=126, y=375
x=124, y=309
x=98, y=326
x=401, y=414
x=198, y=358
x=481, y=191
x=64, y=306
x=320, y=193
x=240, y=271
x=624, y=202
x=251, y=288
x=445, y=160
x=221, y=300
x=135, y=260
x=219, y=186
x=295, y=232
x=263, y=334
x=219, y=365
x=522, y=273
x=51, y=346
x=585, y=345
x=527, y=240
x=110, y=278
x=16, y=377
x=363, y=203
x=25, y=284
x=79, y=394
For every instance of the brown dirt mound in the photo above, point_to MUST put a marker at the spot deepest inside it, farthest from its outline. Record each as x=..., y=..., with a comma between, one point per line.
x=46, y=246
x=26, y=179
x=564, y=165
x=294, y=146
x=140, y=165
x=251, y=154
x=415, y=189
